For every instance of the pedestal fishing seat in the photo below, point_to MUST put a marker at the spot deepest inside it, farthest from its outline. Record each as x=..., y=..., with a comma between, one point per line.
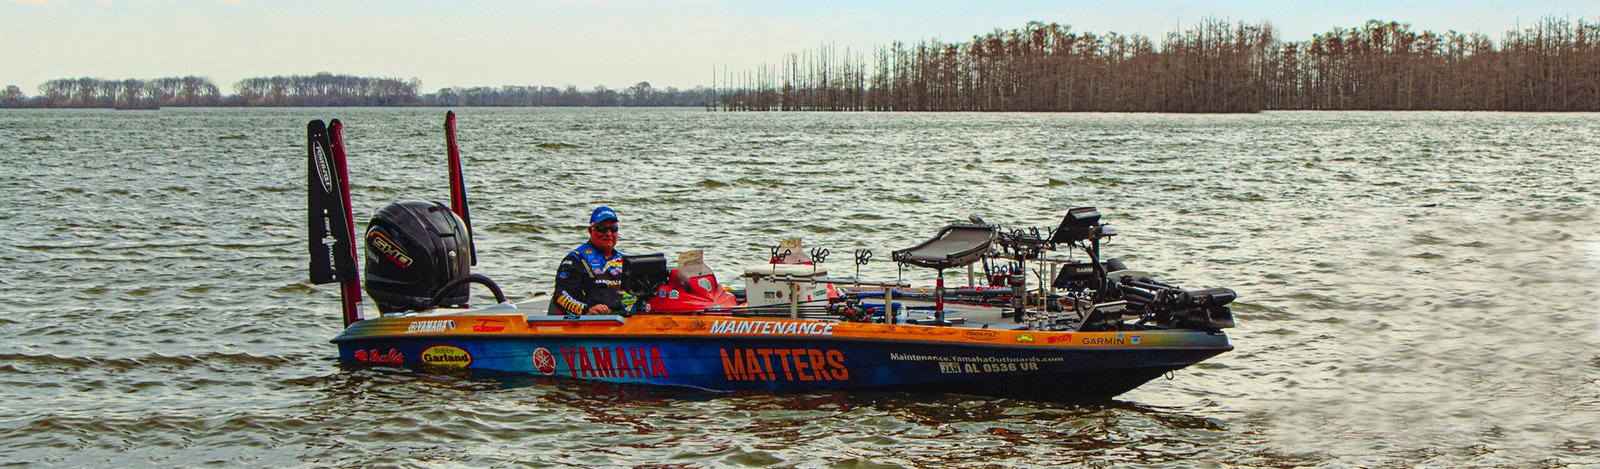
x=956, y=245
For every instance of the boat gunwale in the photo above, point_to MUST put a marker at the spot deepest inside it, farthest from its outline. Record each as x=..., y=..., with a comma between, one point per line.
x=1224, y=347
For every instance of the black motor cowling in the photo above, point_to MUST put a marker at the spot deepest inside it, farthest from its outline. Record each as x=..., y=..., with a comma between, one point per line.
x=413, y=248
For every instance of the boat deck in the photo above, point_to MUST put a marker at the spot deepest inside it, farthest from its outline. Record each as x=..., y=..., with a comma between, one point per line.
x=914, y=311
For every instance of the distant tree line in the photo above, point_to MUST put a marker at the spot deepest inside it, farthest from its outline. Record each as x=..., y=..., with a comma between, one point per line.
x=323, y=89
x=1215, y=66
x=326, y=89
x=136, y=94
x=640, y=94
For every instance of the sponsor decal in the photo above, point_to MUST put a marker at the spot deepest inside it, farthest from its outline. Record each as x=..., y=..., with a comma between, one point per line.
x=1025, y=338
x=448, y=356
x=1059, y=338
x=799, y=364
x=614, y=362
x=490, y=325
x=374, y=356
x=981, y=335
x=613, y=266
x=544, y=361
x=909, y=357
x=772, y=328
x=322, y=168
x=705, y=284
x=673, y=295
x=430, y=326
x=1104, y=340
x=1135, y=339
x=383, y=244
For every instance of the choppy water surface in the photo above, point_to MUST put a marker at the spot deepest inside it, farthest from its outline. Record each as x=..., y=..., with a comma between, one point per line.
x=1417, y=288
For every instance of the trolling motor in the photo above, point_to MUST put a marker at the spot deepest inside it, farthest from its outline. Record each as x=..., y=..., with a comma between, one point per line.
x=1114, y=291
x=1169, y=304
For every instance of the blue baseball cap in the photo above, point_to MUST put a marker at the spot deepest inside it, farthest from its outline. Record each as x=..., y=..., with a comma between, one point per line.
x=601, y=214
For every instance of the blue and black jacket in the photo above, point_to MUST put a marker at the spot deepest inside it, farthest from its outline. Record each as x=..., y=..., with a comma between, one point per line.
x=588, y=278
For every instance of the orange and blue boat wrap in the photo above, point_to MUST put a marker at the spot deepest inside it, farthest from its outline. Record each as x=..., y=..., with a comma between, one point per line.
x=730, y=354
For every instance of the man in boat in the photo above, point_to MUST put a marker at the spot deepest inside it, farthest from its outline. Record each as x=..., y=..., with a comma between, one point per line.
x=589, y=280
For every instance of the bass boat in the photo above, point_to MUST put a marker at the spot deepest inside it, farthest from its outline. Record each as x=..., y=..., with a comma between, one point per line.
x=1034, y=321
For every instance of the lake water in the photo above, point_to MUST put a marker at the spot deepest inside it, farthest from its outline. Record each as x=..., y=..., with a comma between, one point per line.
x=1416, y=288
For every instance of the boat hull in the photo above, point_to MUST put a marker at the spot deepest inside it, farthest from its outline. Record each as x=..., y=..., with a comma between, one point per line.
x=738, y=354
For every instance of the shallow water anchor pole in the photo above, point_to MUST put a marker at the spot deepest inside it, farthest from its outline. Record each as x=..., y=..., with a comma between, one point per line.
x=349, y=279
x=329, y=216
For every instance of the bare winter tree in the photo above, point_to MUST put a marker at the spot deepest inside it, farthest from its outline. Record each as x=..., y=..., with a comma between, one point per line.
x=1213, y=66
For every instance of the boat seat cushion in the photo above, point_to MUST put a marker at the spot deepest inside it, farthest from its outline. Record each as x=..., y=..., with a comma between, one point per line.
x=955, y=246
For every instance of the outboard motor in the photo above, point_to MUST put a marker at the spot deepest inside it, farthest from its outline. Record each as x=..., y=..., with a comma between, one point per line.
x=413, y=249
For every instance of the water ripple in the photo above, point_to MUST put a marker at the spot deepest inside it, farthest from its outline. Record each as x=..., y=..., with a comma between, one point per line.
x=1418, y=289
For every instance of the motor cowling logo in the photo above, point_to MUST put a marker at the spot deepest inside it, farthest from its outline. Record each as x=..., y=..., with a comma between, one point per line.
x=448, y=356
x=384, y=245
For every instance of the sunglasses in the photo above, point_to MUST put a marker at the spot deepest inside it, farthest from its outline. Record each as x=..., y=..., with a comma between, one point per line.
x=604, y=228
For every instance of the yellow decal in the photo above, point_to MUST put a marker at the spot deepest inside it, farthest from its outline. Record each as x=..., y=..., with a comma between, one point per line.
x=1024, y=338
x=448, y=356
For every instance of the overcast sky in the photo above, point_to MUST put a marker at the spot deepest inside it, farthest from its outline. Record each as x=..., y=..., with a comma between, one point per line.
x=614, y=43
